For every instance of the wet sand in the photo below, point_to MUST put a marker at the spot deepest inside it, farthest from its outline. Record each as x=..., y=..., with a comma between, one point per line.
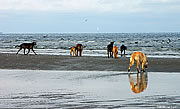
x=89, y=63
x=86, y=89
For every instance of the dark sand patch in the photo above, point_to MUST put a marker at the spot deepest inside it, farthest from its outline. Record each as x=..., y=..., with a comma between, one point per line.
x=90, y=63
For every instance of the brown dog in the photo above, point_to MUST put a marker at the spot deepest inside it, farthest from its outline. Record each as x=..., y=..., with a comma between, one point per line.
x=79, y=49
x=140, y=59
x=73, y=49
x=115, y=51
x=28, y=46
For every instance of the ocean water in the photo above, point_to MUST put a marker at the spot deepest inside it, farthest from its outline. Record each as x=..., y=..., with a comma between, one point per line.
x=152, y=44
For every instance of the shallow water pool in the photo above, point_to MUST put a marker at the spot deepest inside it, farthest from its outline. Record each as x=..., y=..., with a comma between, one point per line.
x=88, y=89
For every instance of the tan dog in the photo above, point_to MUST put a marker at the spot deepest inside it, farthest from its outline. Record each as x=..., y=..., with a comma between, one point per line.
x=73, y=49
x=28, y=46
x=79, y=49
x=115, y=51
x=140, y=59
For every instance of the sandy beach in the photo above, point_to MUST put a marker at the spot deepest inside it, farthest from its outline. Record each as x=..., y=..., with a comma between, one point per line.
x=88, y=63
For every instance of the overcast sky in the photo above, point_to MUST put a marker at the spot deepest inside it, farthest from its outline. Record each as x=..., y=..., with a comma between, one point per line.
x=89, y=15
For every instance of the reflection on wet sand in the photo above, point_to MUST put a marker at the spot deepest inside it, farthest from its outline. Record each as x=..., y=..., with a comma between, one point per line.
x=139, y=83
x=86, y=90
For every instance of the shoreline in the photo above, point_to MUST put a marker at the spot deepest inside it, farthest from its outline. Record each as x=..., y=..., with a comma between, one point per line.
x=99, y=53
x=87, y=63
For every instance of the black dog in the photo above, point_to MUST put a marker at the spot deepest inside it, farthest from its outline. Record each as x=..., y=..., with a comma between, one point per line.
x=109, y=49
x=28, y=46
x=123, y=48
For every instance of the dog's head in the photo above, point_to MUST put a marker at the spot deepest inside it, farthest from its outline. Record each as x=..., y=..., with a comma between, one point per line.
x=34, y=43
x=146, y=64
x=112, y=43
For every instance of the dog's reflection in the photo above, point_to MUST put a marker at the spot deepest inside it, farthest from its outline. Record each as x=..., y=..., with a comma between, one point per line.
x=139, y=83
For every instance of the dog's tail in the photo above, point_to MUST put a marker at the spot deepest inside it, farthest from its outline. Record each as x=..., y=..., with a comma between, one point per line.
x=17, y=46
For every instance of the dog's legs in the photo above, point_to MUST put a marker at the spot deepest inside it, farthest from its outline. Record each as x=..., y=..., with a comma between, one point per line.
x=28, y=51
x=131, y=63
x=81, y=49
x=24, y=51
x=77, y=52
x=108, y=52
x=137, y=62
x=81, y=52
x=121, y=52
x=116, y=54
x=71, y=52
x=124, y=52
x=129, y=67
x=142, y=67
x=74, y=52
x=19, y=50
x=33, y=51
